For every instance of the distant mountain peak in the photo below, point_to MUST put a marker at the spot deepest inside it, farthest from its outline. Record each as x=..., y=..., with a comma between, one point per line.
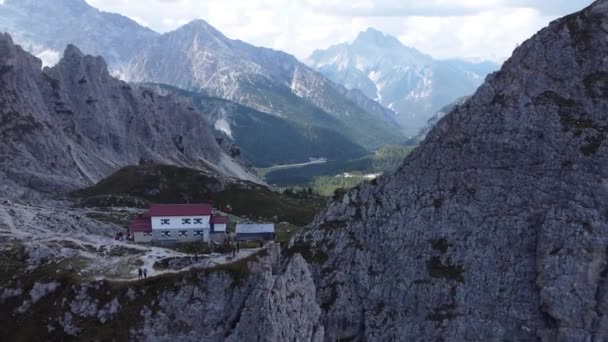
x=372, y=36
x=72, y=50
x=371, y=32
x=5, y=39
x=403, y=79
x=74, y=5
x=202, y=26
x=74, y=58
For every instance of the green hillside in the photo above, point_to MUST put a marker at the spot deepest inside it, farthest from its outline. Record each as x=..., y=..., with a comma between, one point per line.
x=324, y=178
x=172, y=184
x=267, y=140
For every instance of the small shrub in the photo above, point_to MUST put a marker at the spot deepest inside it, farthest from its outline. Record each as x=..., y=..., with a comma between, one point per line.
x=440, y=245
x=446, y=271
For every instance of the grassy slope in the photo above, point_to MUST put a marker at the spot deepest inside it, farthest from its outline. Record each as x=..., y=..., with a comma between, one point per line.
x=171, y=184
x=385, y=159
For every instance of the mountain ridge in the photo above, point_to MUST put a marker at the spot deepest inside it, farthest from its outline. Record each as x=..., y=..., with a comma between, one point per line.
x=68, y=126
x=197, y=57
x=411, y=83
x=261, y=78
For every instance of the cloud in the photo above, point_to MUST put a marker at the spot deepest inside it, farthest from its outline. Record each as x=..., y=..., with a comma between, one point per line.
x=49, y=57
x=481, y=29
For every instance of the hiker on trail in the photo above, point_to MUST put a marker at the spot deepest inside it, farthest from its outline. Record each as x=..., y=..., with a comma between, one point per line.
x=238, y=247
x=139, y=273
x=145, y=273
x=233, y=251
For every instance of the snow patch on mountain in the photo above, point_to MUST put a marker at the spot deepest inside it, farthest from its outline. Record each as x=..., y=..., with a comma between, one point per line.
x=224, y=126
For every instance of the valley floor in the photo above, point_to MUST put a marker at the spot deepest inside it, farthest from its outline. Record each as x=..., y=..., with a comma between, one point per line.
x=266, y=170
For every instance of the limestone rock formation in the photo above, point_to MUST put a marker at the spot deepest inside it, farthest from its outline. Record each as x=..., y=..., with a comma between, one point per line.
x=68, y=126
x=496, y=227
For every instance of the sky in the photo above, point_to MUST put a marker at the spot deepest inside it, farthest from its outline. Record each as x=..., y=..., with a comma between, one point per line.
x=470, y=29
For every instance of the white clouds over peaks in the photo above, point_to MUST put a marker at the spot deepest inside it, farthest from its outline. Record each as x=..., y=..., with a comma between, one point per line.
x=487, y=29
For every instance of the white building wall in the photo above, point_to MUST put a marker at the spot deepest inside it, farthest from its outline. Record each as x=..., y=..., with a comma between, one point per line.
x=175, y=222
x=219, y=227
x=142, y=237
x=181, y=235
x=254, y=228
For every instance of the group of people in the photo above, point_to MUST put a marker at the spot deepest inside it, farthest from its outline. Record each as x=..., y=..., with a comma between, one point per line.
x=120, y=236
x=142, y=273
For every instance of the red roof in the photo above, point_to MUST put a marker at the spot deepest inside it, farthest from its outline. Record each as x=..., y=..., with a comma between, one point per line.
x=141, y=224
x=219, y=219
x=180, y=209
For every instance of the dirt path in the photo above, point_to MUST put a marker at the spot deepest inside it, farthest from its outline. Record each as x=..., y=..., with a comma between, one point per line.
x=149, y=259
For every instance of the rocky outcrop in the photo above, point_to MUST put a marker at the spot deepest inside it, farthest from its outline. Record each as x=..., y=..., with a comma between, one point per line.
x=496, y=227
x=68, y=126
x=283, y=308
x=257, y=298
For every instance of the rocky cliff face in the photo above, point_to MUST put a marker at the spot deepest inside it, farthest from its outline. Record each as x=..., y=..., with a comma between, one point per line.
x=496, y=227
x=48, y=295
x=402, y=78
x=68, y=126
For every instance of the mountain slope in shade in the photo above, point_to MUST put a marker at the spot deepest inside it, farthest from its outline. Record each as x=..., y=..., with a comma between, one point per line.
x=496, y=227
x=68, y=126
x=435, y=119
x=199, y=57
x=399, y=77
x=265, y=139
